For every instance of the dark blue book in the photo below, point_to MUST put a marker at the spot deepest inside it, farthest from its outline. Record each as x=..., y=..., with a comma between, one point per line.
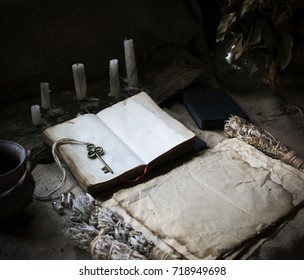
x=210, y=108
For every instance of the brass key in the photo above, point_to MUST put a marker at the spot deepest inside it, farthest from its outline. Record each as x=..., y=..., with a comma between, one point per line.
x=97, y=152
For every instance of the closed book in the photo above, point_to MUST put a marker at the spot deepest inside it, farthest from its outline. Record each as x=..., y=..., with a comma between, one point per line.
x=210, y=108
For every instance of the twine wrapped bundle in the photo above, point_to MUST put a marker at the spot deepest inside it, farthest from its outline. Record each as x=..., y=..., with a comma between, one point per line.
x=262, y=140
x=106, y=247
x=105, y=234
x=82, y=209
x=81, y=234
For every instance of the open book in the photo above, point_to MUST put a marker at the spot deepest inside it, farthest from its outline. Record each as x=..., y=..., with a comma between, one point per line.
x=133, y=133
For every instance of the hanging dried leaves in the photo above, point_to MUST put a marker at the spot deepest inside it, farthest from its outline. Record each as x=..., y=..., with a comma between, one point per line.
x=265, y=24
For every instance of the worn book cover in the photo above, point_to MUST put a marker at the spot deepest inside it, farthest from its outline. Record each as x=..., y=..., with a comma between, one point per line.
x=134, y=133
x=210, y=108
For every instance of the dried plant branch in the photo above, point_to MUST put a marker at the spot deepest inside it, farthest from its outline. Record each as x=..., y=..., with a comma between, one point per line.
x=262, y=23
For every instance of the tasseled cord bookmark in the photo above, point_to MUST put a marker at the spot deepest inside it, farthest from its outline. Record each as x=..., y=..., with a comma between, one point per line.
x=55, y=152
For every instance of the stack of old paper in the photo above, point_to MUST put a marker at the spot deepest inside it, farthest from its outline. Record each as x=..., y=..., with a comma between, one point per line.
x=212, y=204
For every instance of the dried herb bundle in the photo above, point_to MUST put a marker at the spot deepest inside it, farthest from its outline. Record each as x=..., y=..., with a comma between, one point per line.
x=262, y=140
x=105, y=234
x=81, y=234
x=106, y=247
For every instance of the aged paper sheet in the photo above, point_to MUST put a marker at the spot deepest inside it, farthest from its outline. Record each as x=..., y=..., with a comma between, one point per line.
x=208, y=206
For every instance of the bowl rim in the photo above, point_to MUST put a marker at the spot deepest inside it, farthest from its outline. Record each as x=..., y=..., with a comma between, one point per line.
x=23, y=157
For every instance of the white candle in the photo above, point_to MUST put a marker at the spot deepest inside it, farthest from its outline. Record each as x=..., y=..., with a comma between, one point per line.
x=79, y=81
x=114, y=78
x=36, y=115
x=45, y=95
x=130, y=63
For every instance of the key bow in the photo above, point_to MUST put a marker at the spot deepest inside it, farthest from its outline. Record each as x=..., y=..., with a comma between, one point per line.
x=97, y=152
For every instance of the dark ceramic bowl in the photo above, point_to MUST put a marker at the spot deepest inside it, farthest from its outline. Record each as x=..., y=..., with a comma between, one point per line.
x=12, y=164
x=16, y=182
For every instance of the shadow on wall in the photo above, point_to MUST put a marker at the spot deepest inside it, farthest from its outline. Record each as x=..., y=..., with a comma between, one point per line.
x=40, y=40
